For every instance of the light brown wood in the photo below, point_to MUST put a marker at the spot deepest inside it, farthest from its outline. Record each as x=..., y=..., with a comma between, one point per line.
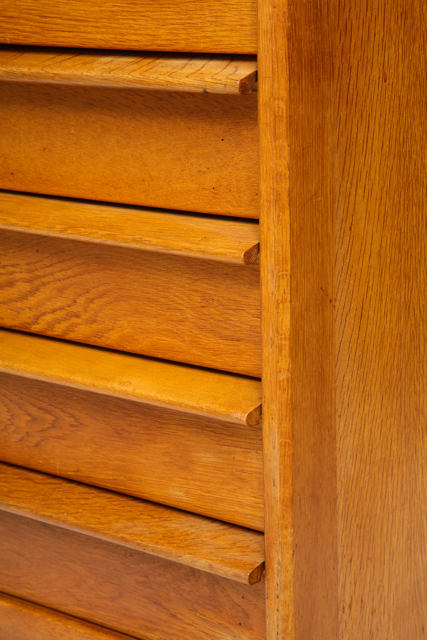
x=187, y=461
x=206, y=237
x=163, y=384
x=157, y=430
x=296, y=126
x=380, y=325
x=273, y=108
x=22, y=620
x=211, y=26
x=197, y=311
x=192, y=152
x=201, y=543
x=127, y=590
x=173, y=71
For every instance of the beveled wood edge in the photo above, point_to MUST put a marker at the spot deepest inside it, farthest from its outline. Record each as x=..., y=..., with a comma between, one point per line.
x=77, y=628
x=225, y=74
x=213, y=546
x=205, y=237
x=121, y=375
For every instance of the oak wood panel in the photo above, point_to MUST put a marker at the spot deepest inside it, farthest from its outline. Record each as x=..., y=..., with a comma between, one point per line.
x=186, y=151
x=200, y=464
x=296, y=129
x=127, y=590
x=153, y=382
x=212, y=26
x=22, y=620
x=173, y=71
x=380, y=327
x=201, y=543
x=214, y=238
x=273, y=106
x=197, y=311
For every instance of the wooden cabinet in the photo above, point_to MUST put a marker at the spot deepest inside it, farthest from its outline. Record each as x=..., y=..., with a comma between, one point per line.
x=213, y=301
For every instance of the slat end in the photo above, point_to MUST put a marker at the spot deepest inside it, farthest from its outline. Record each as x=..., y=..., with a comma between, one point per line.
x=253, y=418
x=256, y=574
x=250, y=256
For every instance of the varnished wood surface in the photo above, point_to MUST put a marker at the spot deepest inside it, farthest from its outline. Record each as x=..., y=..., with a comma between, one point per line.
x=120, y=588
x=186, y=151
x=213, y=26
x=173, y=72
x=22, y=620
x=311, y=211
x=207, y=237
x=380, y=327
x=165, y=384
x=202, y=312
x=296, y=127
x=273, y=105
x=201, y=543
x=201, y=464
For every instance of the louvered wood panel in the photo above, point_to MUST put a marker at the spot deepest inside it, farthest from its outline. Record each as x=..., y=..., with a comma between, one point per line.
x=169, y=71
x=196, y=311
x=186, y=151
x=209, y=237
x=201, y=543
x=22, y=620
x=161, y=431
x=215, y=26
x=123, y=589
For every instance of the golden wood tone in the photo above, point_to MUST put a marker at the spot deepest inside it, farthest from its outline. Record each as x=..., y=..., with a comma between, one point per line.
x=212, y=238
x=275, y=277
x=192, y=152
x=295, y=104
x=201, y=543
x=126, y=590
x=199, y=464
x=198, y=311
x=173, y=71
x=21, y=620
x=162, y=384
x=380, y=326
x=214, y=26
x=160, y=431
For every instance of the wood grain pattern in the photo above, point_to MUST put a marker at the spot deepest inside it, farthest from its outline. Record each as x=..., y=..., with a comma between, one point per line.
x=312, y=208
x=163, y=384
x=192, y=152
x=173, y=71
x=211, y=26
x=201, y=464
x=273, y=108
x=213, y=238
x=380, y=326
x=296, y=78
x=22, y=620
x=197, y=311
x=126, y=590
x=201, y=543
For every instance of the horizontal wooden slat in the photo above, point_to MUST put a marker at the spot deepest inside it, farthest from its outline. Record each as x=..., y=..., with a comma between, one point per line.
x=203, y=312
x=106, y=419
x=22, y=620
x=172, y=71
x=186, y=151
x=123, y=589
x=201, y=543
x=214, y=26
x=209, y=237
x=164, y=384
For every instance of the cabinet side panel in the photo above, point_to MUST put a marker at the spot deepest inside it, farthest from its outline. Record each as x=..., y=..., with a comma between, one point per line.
x=381, y=319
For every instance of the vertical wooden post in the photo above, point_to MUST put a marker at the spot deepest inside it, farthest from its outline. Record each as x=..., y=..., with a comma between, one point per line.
x=296, y=117
x=275, y=279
